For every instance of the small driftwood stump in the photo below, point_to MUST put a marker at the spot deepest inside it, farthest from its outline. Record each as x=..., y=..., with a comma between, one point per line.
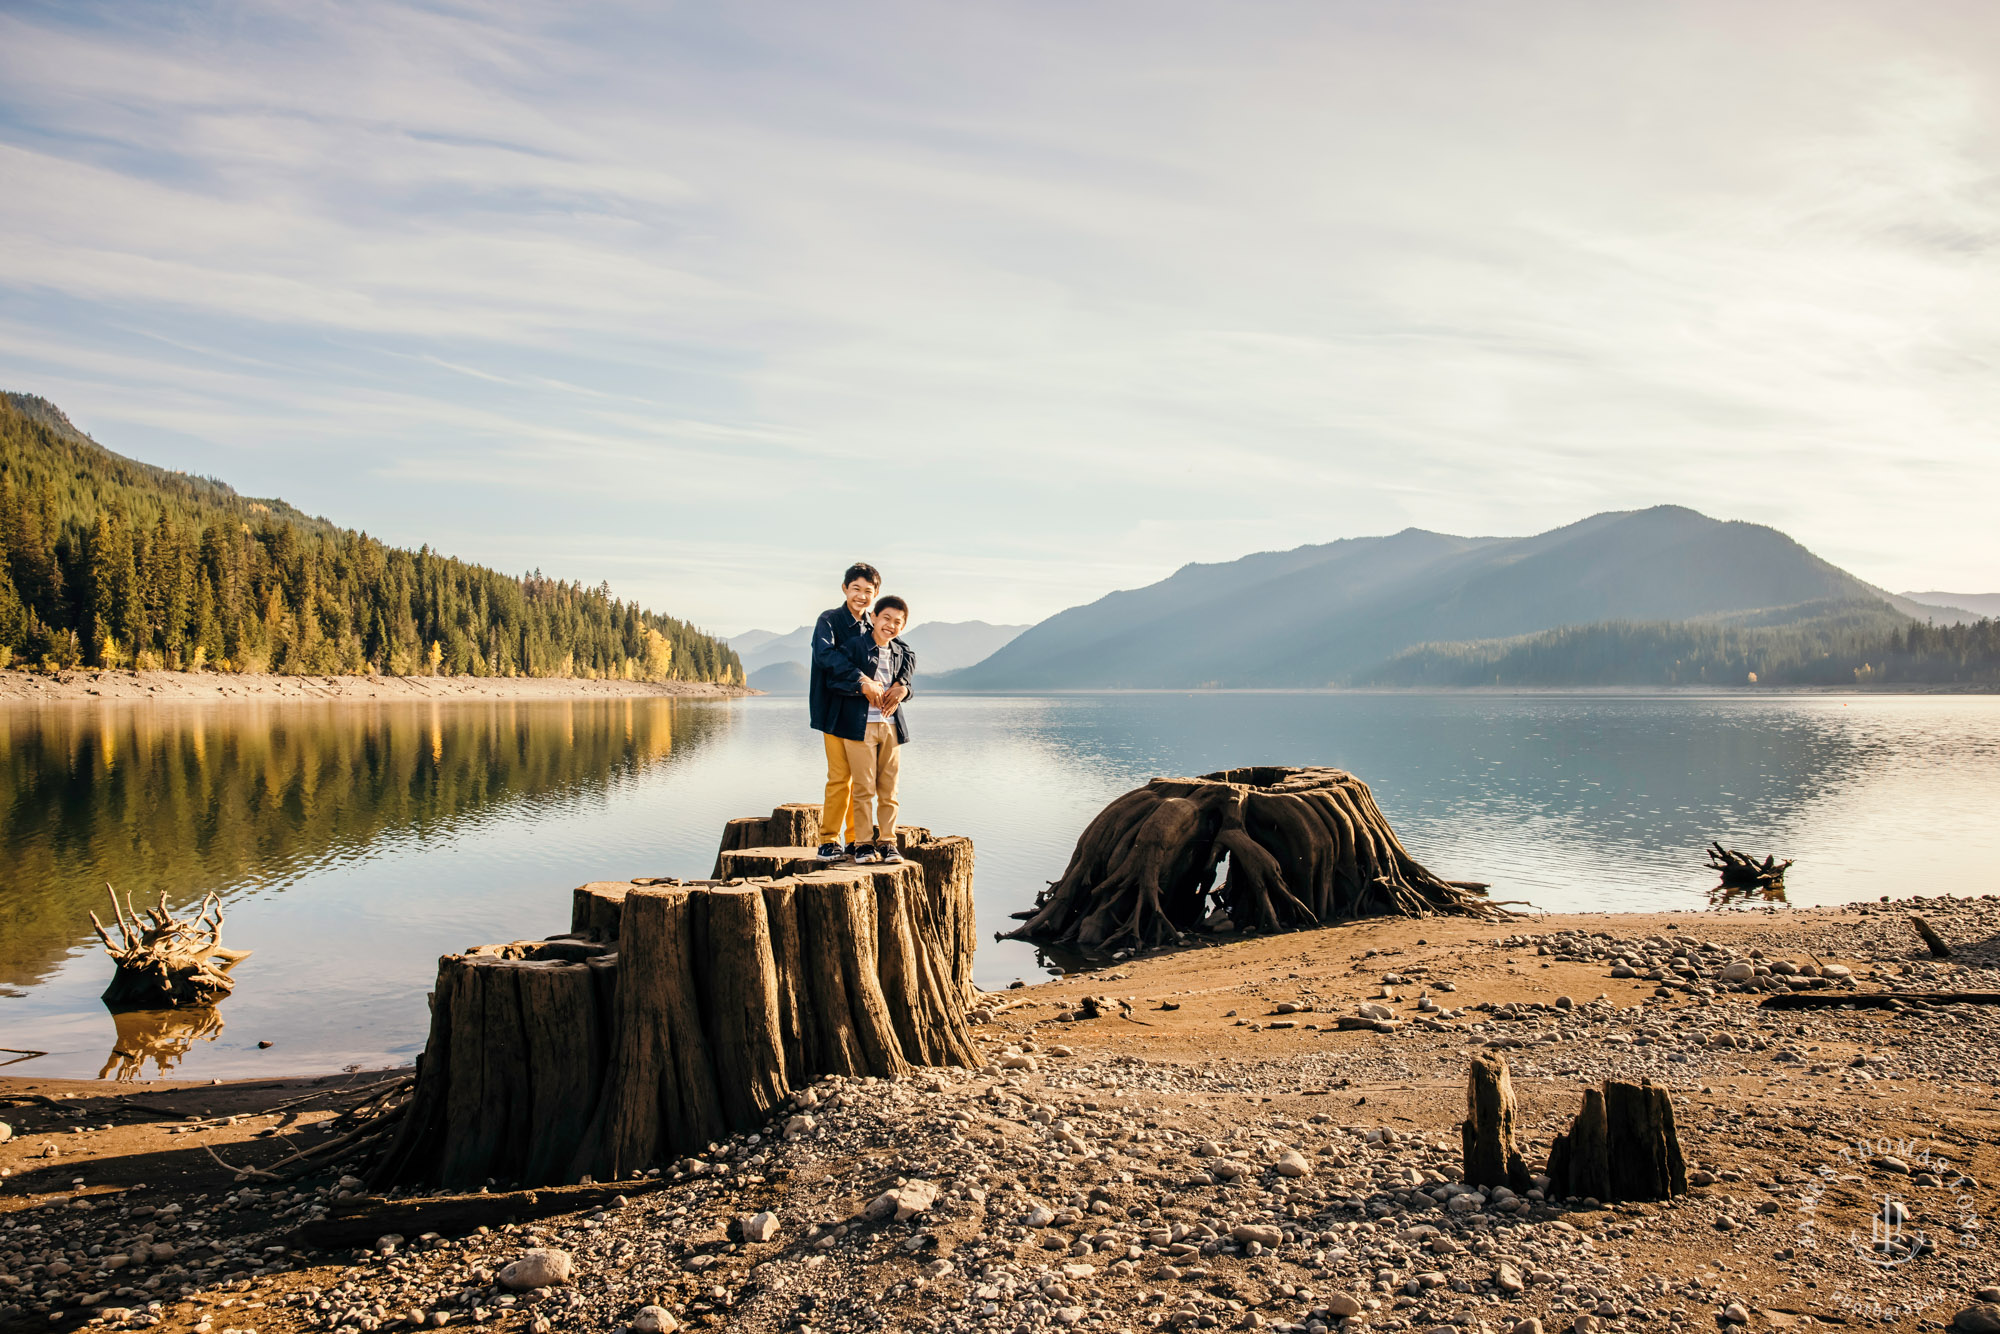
x=1492, y=1157
x=1932, y=940
x=167, y=962
x=1305, y=847
x=674, y=1014
x=1741, y=872
x=1622, y=1146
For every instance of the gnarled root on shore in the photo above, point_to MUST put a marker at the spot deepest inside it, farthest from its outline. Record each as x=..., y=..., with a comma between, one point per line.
x=1305, y=847
x=167, y=962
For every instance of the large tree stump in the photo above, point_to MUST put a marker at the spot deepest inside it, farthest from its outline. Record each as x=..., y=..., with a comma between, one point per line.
x=674, y=1014
x=166, y=962
x=1305, y=847
x=1492, y=1157
x=1623, y=1145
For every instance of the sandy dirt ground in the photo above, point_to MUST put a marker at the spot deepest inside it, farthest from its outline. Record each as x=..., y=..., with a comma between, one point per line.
x=20, y=687
x=1084, y=1175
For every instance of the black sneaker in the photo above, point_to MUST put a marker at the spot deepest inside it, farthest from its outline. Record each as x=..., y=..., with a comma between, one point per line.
x=831, y=853
x=889, y=851
x=863, y=854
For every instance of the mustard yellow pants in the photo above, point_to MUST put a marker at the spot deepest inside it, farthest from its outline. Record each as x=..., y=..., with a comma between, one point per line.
x=873, y=764
x=839, y=791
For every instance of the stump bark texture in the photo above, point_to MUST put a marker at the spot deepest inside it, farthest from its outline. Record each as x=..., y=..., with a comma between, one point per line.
x=793, y=825
x=1623, y=1145
x=1304, y=847
x=675, y=1013
x=1492, y=1156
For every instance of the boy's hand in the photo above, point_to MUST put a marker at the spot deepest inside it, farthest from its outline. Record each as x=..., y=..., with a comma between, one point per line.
x=872, y=689
x=892, y=697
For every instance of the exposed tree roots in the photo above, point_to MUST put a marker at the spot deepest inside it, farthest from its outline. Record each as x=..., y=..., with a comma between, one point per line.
x=1305, y=847
x=167, y=962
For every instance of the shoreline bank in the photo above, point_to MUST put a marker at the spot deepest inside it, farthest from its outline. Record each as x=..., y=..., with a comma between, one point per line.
x=1109, y=1168
x=91, y=686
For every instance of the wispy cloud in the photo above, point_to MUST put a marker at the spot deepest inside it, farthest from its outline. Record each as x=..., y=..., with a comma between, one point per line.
x=1026, y=301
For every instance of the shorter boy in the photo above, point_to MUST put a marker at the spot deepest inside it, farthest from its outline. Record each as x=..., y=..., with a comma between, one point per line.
x=874, y=756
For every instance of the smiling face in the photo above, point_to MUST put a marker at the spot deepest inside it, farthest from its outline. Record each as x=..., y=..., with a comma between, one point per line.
x=889, y=622
x=859, y=593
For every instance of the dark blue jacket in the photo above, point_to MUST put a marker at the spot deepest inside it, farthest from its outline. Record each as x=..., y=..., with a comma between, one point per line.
x=834, y=701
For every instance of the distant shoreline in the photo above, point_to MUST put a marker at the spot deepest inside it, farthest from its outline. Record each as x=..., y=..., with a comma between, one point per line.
x=1607, y=692
x=91, y=686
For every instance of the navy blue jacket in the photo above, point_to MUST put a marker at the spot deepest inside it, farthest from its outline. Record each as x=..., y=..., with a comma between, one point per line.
x=834, y=701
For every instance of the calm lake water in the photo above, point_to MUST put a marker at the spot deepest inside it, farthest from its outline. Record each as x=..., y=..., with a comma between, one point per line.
x=354, y=843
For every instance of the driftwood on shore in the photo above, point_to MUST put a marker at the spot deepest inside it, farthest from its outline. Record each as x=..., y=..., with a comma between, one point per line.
x=1932, y=940
x=166, y=962
x=1743, y=872
x=1875, y=1000
x=363, y=1219
x=674, y=1014
x=1305, y=847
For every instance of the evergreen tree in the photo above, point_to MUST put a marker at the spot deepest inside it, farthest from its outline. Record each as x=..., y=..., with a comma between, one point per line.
x=116, y=562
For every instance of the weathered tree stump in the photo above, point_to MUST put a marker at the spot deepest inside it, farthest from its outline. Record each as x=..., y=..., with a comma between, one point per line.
x=674, y=1014
x=793, y=825
x=1622, y=1146
x=1305, y=847
x=947, y=905
x=1492, y=1157
x=166, y=962
x=1932, y=940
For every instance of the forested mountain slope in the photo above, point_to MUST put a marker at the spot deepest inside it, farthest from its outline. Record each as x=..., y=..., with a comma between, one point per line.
x=110, y=562
x=1857, y=643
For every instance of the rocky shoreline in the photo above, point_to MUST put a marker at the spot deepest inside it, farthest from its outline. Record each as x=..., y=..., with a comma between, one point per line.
x=1258, y=1134
x=95, y=686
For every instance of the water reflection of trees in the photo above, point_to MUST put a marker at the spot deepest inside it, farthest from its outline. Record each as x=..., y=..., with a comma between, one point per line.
x=187, y=800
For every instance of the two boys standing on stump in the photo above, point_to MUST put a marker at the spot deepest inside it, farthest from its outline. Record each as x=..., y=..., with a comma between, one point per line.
x=859, y=680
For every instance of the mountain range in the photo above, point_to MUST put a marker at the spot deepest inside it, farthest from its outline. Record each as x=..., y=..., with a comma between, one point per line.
x=1337, y=613
x=1972, y=606
x=776, y=663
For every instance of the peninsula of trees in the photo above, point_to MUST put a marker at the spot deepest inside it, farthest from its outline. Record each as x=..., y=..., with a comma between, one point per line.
x=108, y=562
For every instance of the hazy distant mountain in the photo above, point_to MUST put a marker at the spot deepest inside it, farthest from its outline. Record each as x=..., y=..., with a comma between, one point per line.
x=1972, y=604
x=941, y=646
x=780, y=678
x=766, y=648
x=751, y=641
x=946, y=646
x=1320, y=615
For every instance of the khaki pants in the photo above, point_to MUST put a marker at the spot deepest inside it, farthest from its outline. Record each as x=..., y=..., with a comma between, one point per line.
x=873, y=764
x=839, y=790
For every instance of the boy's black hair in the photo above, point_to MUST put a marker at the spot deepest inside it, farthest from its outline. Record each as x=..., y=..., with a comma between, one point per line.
x=861, y=569
x=892, y=603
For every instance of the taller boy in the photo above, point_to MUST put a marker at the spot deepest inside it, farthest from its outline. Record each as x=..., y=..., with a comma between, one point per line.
x=840, y=696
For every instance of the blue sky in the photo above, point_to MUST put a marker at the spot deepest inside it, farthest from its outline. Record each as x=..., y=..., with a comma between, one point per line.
x=1023, y=302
